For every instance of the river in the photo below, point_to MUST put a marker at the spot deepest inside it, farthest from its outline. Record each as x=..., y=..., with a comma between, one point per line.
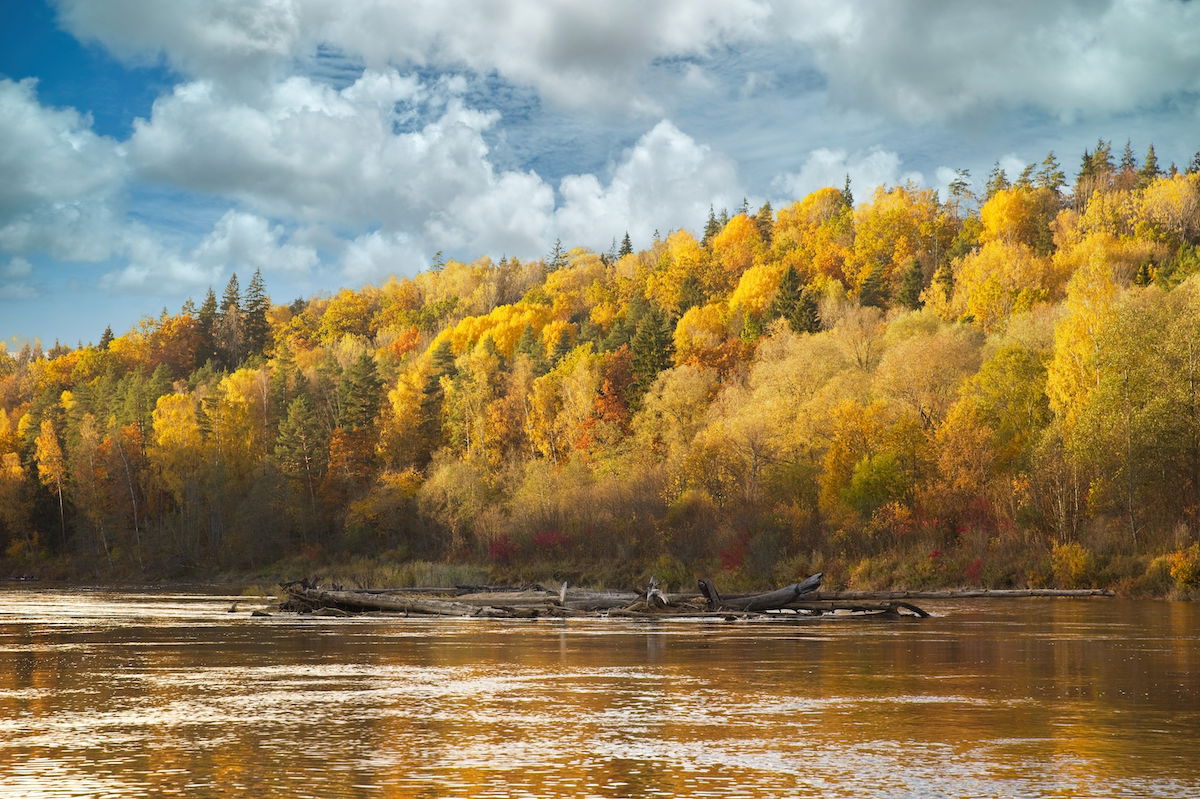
x=106, y=694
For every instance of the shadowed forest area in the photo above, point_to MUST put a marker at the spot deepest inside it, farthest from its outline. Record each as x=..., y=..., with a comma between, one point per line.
x=998, y=389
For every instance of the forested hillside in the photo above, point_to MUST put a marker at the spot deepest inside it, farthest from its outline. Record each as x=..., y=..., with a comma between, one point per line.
x=997, y=390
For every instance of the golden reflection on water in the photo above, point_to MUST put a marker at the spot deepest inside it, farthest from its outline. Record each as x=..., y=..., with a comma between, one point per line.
x=137, y=695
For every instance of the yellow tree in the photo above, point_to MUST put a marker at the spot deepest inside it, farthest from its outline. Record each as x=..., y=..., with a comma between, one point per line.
x=815, y=236
x=52, y=468
x=1003, y=278
x=734, y=250
x=898, y=225
x=1020, y=215
x=15, y=507
x=176, y=445
x=681, y=276
x=924, y=372
x=1170, y=208
x=90, y=479
x=1101, y=266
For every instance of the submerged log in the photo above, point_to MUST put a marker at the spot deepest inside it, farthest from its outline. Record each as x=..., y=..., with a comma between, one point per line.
x=890, y=607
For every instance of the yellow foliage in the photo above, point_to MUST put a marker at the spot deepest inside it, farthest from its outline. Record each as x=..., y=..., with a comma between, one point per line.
x=1185, y=566
x=504, y=324
x=1170, y=208
x=756, y=289
x=682, y=259
x=176, y=444
x=896, y=226
x=348, y=313
x=699, y=334
x=736, y=247
x=815, y=236
x=1003, y=278
x=1101, y=266
x=1020, y=216
x=553, y=332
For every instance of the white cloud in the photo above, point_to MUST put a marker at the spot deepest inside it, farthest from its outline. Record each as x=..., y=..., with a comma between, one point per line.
x=154, y=267
x=386, y=151
x=14, y=280
x=825, y=167
x=58, y=179
x=574, y=53
x=242, y=242
x=934, y=59
x=665, y=181
x=373, y=256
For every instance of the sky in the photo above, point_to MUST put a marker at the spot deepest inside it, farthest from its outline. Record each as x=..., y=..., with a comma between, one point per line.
x=150, y=149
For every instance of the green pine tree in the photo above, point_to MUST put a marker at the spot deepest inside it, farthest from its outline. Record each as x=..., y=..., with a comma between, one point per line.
x=765, y=220
x=652, y=347
x=1150, y=170
x=529, y=346
x=301, y=448
x=711, y=227
x=873, y=290
x=256, y=328
x=359, y=394
x=911, y=285
x=997, y=182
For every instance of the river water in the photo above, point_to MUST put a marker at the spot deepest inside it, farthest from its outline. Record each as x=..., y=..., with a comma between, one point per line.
x=153, y=694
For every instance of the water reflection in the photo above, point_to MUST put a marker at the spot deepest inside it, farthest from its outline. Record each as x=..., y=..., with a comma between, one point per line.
x=135, y=695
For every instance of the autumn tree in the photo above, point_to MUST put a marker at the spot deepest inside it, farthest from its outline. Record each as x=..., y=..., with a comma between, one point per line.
x=52, y=468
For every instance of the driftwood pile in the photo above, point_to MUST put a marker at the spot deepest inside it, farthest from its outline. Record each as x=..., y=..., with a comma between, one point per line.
x=791, y=602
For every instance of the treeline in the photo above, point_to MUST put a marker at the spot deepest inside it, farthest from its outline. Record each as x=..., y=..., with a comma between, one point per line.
x=1001, y=389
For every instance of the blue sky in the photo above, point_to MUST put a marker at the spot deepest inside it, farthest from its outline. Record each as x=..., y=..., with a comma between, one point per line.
x=149, y=149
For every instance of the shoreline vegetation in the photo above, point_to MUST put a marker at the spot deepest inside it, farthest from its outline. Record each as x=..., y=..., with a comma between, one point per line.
x=998, y=389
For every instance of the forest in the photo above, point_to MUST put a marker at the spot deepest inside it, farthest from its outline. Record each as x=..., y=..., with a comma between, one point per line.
x=1000, y=388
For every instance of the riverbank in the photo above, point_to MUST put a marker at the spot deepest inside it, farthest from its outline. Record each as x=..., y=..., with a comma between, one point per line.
x=1173, y=575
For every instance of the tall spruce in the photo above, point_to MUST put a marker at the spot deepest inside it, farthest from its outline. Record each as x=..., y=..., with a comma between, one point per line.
x=765, y=221
x=359, y=394
x=911, y=285
x=626, y=246
x=230, y=328
x=711, y=227
x=256, y=328
x=206, y=323
x=652, y=348
x=1150, y=170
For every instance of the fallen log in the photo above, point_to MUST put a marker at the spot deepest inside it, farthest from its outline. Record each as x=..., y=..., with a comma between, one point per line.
x=359, y=601
x=772, y=600
x=970, y=593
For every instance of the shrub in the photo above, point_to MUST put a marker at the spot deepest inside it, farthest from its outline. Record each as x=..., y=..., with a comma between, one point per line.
x=1185, y=566
x=1072, y=565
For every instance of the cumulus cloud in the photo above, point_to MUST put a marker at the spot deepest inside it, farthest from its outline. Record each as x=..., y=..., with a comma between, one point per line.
x=577, y=54
x=245, y=241
x=667, y=180
x=238, y=242
x=155, y=267
x=14, y=280
x=375, y=255
x=59, y=179
x=827, y=167
x=386, y=151
x=936, y=59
